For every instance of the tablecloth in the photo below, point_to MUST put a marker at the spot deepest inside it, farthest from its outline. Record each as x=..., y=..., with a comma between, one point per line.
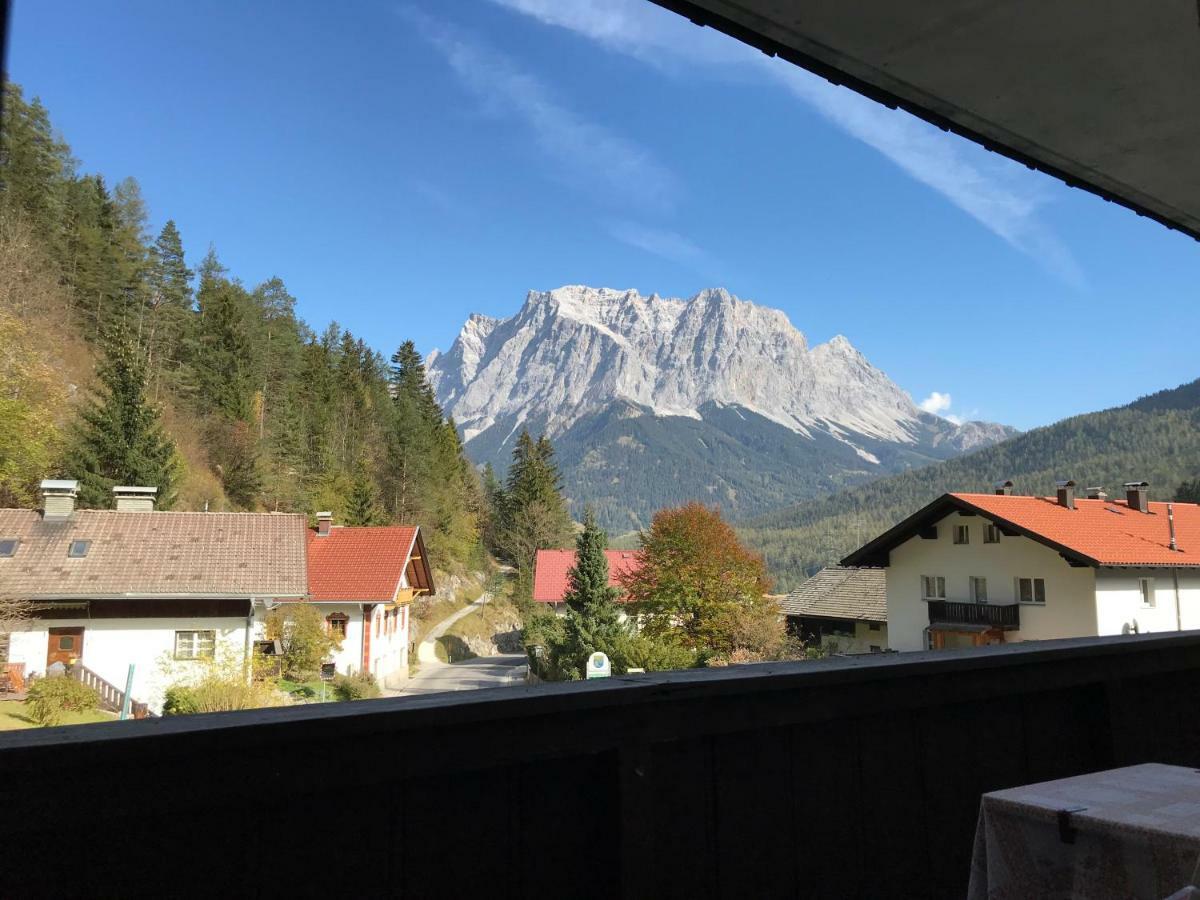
x=1131, y=832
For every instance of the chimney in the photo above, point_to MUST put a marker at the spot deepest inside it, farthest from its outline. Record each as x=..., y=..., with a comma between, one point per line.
x=134, y=498
x=1096, y=493
x=1136, y=495
x=1066, y=493
x=58, y=498
x=324, y=523
x=1004, y=488
x=1171, y=525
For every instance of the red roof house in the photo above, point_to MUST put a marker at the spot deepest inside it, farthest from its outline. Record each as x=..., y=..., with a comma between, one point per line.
x=364, y=578
x=551, y=566
x=1090, y=532
x=365, y=564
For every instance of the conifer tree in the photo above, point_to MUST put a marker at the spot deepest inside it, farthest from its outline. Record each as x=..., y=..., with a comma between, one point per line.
x=535, y=513
x=593, y=622
x=169, y=305
x=360, y=505
x=34, y=166
x=221, y=357
x=120, y=439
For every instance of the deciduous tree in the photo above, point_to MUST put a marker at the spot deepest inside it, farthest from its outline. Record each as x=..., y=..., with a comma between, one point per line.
x=697, y=585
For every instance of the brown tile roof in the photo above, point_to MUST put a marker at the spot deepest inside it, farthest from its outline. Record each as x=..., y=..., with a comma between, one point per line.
x=841, y=592
x=155, y=553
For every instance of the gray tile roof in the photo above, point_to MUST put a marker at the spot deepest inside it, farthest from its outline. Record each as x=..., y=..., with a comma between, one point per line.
x=841, y=592
x=155, y=553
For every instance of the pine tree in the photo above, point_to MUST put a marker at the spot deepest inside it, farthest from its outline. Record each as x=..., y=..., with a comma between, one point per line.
x=120, y=439
x=535, y=513
x=169, y=306
x=593, y=622
x=360, y=505
x=35, y=166
x=221, y=357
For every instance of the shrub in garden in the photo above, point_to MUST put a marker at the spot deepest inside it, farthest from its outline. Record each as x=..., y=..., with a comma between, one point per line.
x=361, y=686
x=180, y=700
x=51, y=698
x=303, y=638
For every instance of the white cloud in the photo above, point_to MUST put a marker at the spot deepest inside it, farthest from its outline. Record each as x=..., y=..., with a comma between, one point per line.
x=658, y=241
x=996, y=192
x=936, y=403
x=585, y=154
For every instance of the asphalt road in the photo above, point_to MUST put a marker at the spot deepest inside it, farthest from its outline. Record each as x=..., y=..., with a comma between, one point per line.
x=469, y=675
x=435, y=676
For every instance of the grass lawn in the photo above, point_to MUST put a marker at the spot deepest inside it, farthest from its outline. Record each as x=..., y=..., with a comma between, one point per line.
x=12, y=716
x=300, y=690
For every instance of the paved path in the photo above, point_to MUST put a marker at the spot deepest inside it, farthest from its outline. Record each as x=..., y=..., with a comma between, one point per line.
x=481, y=672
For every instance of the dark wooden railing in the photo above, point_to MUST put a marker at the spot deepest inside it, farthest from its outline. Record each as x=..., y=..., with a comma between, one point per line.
x=832, y=778
x=112, y=697
x=1005, y=616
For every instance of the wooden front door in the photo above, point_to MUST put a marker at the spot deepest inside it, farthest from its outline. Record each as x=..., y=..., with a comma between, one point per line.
x=66, y=646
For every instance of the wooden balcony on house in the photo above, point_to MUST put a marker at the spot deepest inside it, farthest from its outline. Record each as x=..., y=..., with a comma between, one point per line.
x=1001, y=616
x=772, y=780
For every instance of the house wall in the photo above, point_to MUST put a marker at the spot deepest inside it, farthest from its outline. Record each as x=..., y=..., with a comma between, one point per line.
x=1119, y=606
x=1069, y=611
x=388, y=650
x=111, y=645
x=858, y=639
x=389, y=645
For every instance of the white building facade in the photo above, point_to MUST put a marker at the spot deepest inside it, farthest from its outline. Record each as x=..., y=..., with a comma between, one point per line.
x=162, y=594
x=974, y=569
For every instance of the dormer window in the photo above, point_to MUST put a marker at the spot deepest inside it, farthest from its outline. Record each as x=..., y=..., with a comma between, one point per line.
x=78, y=549
x=8, y=547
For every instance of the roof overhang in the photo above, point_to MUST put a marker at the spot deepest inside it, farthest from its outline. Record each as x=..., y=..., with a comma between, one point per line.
x=1103, y=95
x=875, y=553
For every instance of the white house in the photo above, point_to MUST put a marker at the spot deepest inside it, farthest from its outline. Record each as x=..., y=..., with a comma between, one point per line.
x=160, y=591
x=363, y=579
x=973, y=569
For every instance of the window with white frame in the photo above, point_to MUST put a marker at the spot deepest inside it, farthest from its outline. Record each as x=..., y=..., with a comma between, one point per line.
x=1031, y=590
x=962, y=534
x=978, y=589
x=1146, y=586
x=195, y=644
x=933, y=587
x=991, y=534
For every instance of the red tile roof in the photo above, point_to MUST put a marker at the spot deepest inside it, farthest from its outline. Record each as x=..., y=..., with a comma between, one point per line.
x=1095, y=532
x=1105, y=532
x=358, y=564
x=551, y=567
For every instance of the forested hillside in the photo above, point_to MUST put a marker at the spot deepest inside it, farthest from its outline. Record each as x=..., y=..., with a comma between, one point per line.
x=1156, y=439
x=120, y=362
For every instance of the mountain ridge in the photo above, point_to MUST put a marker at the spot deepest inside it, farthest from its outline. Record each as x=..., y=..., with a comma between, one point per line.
x=570, y=357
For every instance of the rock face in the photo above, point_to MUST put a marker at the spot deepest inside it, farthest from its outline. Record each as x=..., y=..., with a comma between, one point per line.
x=619, y=380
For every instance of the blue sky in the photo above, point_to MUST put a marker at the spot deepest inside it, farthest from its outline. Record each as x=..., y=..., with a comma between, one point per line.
x=401, y=165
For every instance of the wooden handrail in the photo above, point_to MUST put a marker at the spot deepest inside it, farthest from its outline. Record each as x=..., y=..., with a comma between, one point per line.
x=959, y=612
x=112, y=698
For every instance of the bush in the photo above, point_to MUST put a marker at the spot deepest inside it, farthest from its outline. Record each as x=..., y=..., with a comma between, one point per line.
x=51, y=698
x=361, y=686
x=180, y=700
x=303, y=638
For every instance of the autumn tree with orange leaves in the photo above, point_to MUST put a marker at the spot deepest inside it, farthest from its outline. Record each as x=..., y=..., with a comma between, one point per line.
x=697, y=586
